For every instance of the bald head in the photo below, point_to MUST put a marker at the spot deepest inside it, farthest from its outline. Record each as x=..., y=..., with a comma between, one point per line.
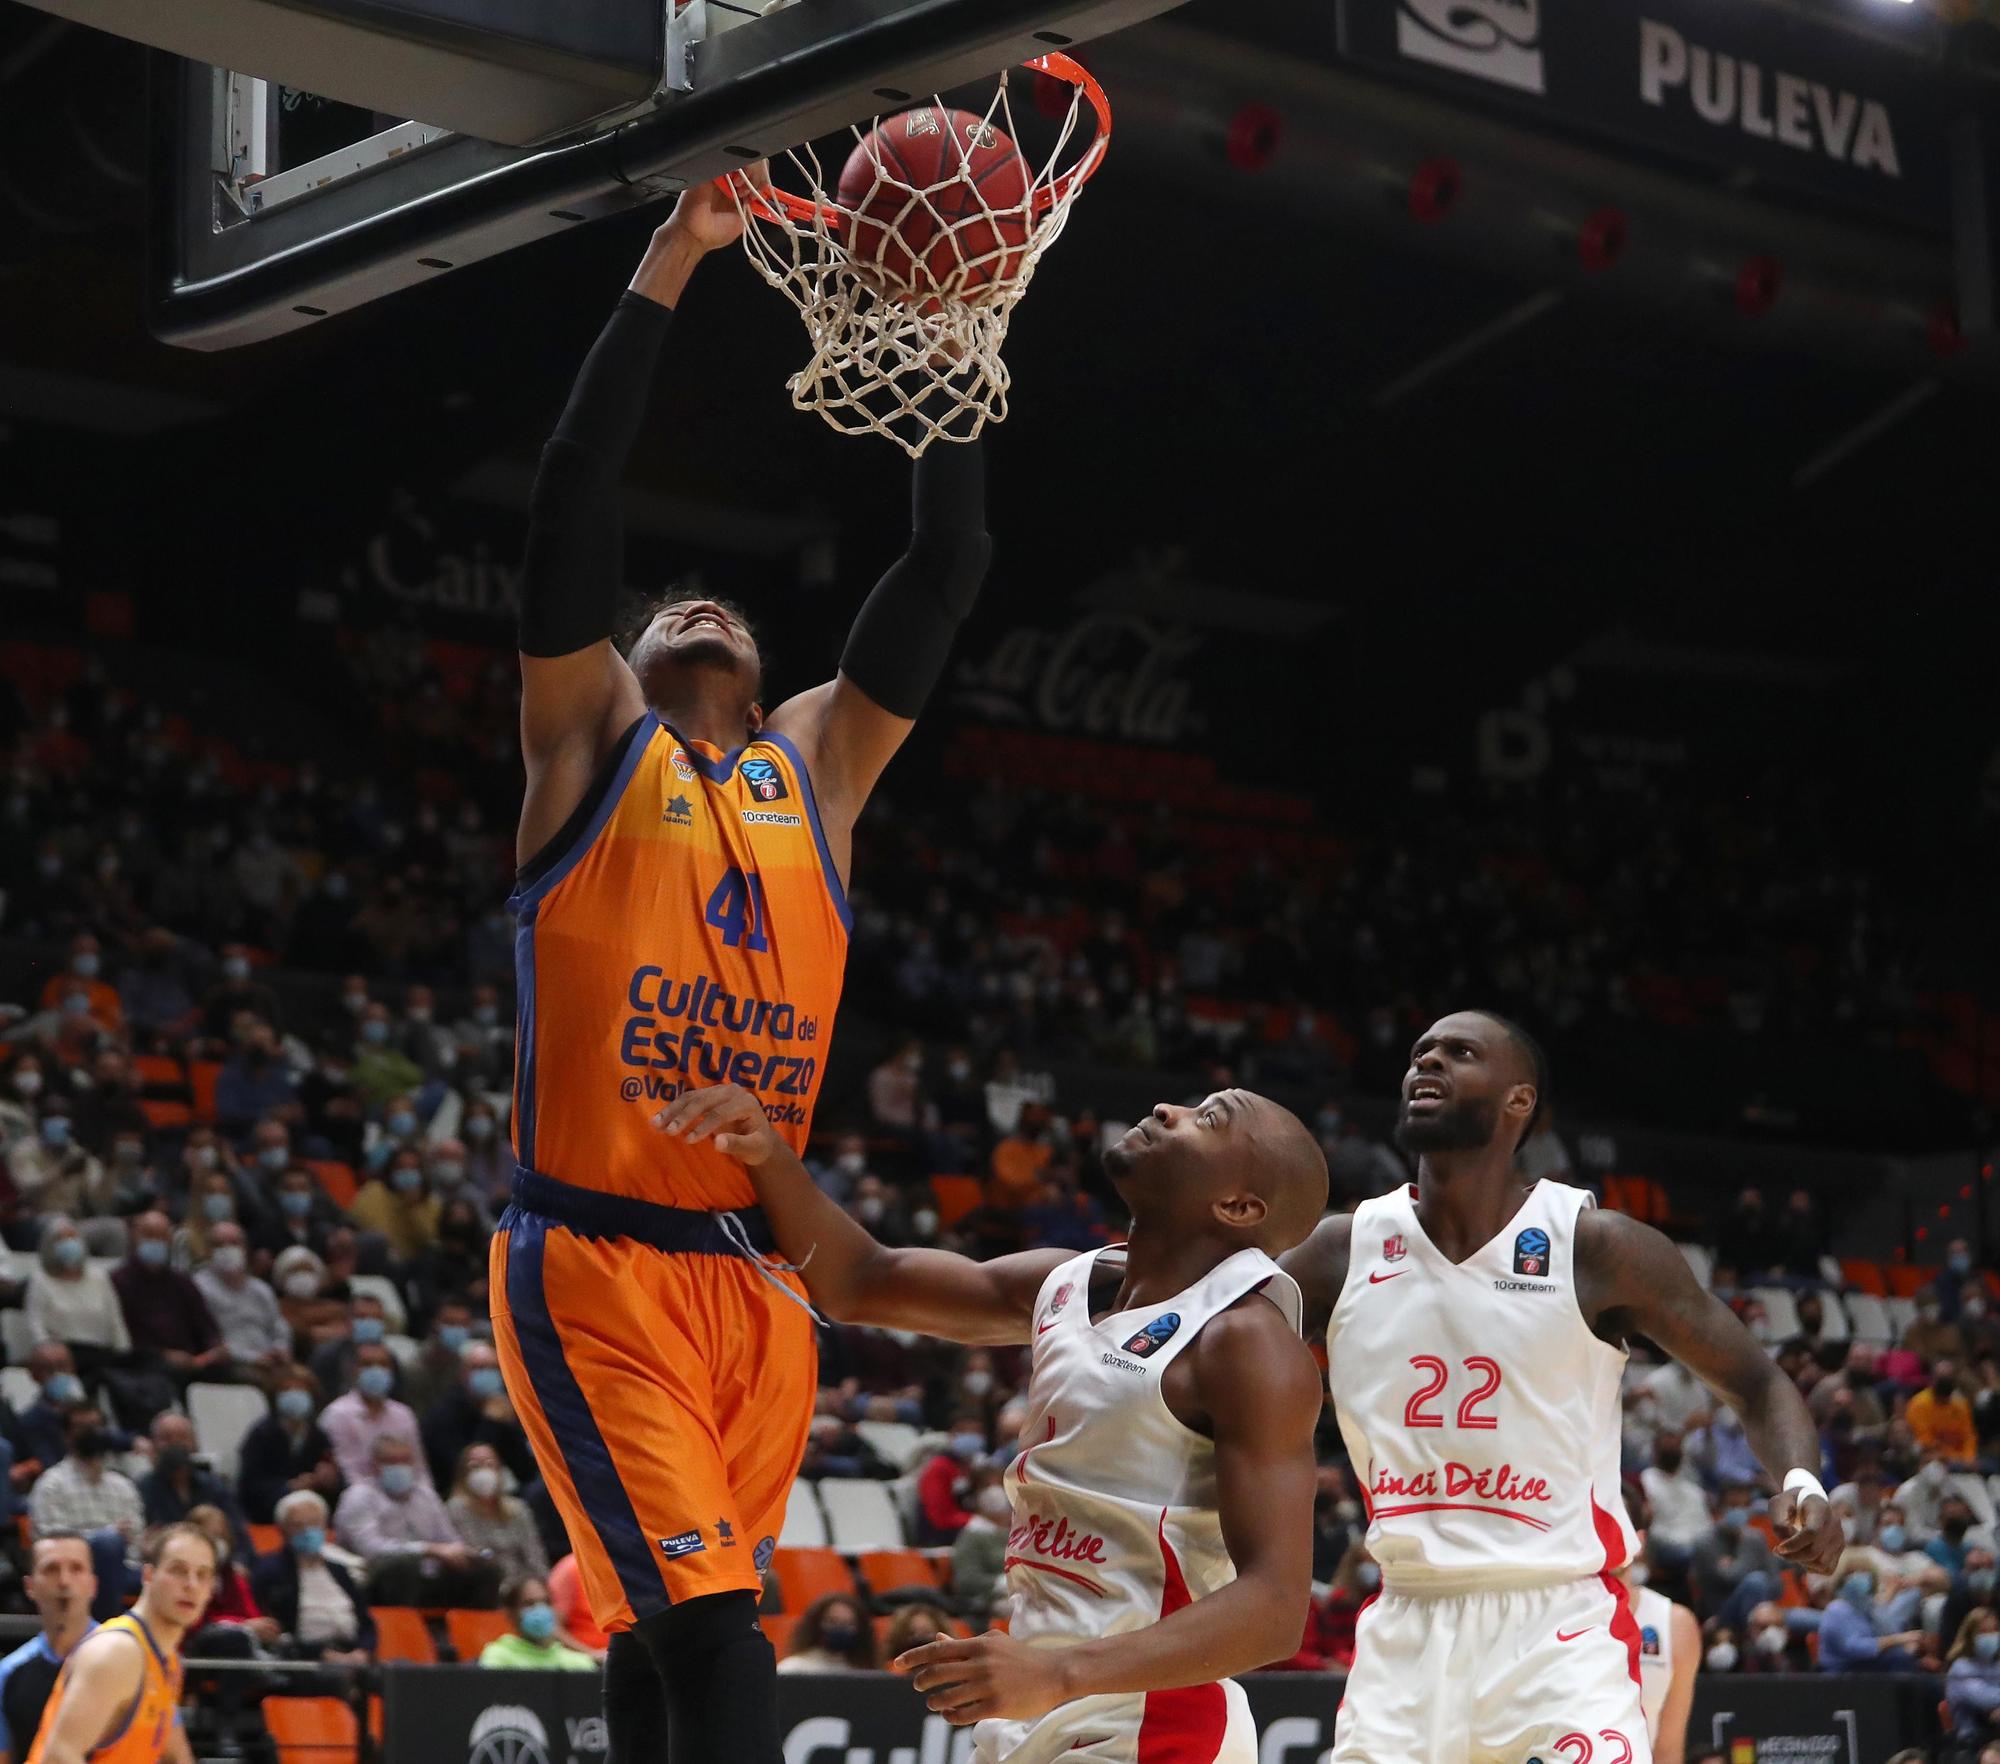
x=1237, y=1159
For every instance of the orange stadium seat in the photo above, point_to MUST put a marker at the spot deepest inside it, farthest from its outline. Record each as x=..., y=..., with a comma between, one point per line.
x=778, y=1632
x=1906, y=1280
x=956, y=1196
x=202, y=1078
x=312, y=1730
x=890, y=1570
x=1863, y=1276
x=266, y=1539
x=337, y=1179
x=805, y=1575
x=402, y=1633
x=470, y=1631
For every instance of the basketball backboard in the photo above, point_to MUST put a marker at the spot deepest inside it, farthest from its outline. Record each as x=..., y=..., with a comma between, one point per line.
x=276, y=205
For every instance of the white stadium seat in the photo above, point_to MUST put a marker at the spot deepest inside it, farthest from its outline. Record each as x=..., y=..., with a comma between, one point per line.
x=805, y=1524
x=860, y=1515
x=222, y=1414
x=1836, y=1328
x=1870, y=1319
x=894, y=1442
x=17, y=1388
x=1780, y=1308
x=1701, y=1260
x=1974, y=1490
x=16, y=1335
x=1902, y=1313
x=381, y=1287
x=406, y=1348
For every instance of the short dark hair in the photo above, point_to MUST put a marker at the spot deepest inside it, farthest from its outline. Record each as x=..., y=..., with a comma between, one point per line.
x=649, y=610
x=510, y=1594
x=1538, y=1063
x=56, y=1536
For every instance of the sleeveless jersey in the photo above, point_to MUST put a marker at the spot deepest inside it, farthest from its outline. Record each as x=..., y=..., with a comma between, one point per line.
x=1655, y=1614
x=1114, y=1522
x=141, y=1737
x=1479, y=1409
x=689, y=930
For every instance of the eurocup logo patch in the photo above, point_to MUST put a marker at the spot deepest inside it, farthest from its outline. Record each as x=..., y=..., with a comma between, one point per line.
x=1649, y=1640
x=1155, y=1335
x=1531, y=1252
x=767, y=783
x=1394, y=1249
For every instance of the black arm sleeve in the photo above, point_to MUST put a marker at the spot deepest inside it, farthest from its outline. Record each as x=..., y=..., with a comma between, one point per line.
x=575, y=565
x=903, y=636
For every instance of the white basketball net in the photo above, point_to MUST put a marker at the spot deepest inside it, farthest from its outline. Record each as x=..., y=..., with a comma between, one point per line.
x=925, y=366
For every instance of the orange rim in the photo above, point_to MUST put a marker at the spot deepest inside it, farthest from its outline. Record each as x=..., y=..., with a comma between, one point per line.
x=775, y=204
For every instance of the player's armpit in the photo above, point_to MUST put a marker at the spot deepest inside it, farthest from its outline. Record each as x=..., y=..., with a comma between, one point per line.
x=105, y=1674
x=1319, y=1265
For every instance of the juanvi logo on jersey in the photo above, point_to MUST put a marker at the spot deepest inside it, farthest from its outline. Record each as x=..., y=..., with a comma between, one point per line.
x=1498, y=40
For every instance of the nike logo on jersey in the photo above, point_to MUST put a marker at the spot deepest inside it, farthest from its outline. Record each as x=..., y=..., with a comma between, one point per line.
x=1377, y=1279
x=1043, y=1328
x=1573, y=1634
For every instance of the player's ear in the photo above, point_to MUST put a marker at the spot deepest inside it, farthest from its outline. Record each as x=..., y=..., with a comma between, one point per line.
x=756, y=719
x=1521, y=1101
x=1243, y=1211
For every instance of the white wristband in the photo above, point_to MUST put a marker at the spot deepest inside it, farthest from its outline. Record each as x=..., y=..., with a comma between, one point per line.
x=1805, y=1482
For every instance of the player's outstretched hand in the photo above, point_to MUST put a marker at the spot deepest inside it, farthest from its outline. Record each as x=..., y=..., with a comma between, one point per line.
x=1809, y=1533
x=706, y=215
x=726, y=1113
x=991, y=1677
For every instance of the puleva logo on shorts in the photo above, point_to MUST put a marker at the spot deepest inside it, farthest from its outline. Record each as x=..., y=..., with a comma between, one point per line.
x=767, y=783
x=1155, y=1335
x=683, y=1544
x=1531, y=1252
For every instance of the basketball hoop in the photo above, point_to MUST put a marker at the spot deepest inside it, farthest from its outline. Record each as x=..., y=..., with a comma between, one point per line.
x=907, y=284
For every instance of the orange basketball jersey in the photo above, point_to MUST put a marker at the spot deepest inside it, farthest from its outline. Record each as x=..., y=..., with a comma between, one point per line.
x=141, y=1737
x=686, y=928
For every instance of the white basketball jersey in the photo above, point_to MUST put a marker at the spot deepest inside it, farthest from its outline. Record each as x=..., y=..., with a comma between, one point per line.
x=1655, y=1614
x=1115, y=1522
x=1479, y=1410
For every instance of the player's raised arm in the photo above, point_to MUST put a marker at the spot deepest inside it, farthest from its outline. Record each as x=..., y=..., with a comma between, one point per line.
x=1259, y=1388
x=1633, y=1280
x=850, y=1276
x=577, y=694
x=850, y=728
x=104, y=1675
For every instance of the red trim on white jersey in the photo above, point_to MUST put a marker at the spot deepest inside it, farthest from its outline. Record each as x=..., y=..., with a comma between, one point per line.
x=1623, y=1624
x=1182, y=1726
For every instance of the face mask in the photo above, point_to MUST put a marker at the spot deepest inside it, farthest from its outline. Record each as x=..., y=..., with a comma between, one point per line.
x=172, y=1459
x=960, y=1070
x=485, y=1383
x=402, y=1124
x=68, y=1252
x=419, y=1013
x=356, y=1002
x=1857, y=1589
x=295, y=1404
x=1368, y=1576
x=77, y=1004
x=215, y=1208
x=1959, y=1262
x=1731, y=1520
x=1934, y=1474
x=373, y=1381
x=375, y=1031
x=406, y=1179
x=295, y=1203
x=309, y=1540
x=479, y=1129
x=87, y=965
x=1927, y=1313
x=1941, y=1388
x=228, y=1259
x=128, y=1152
x=27, y=1084
x=483, y=1481
x=1973, y=1309
x=1988, y=1645
x=850, y=1163
x=967, y=1445
x=1771, y=1642
x=486, y=1015
x=55, y=1132
x=92, y=1442
x=1722, y=1657
x=150, y=1252
x=978, y=1383
x=302, y=1285
x=924, y=1222
x=839, y=1638
x=64, y=1387
x=538, y=1623
x=871, y=1208
x=453, y=1336
x=275, y=1157
x=367, y=1331
x=1955, y=1530
x=1980, y=1580
x=236, y=968
x=398, y=1479
x=449, y=1172
x=1893, y=1538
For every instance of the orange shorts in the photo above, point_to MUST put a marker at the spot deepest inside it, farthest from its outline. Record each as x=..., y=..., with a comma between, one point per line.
x=667, y=1396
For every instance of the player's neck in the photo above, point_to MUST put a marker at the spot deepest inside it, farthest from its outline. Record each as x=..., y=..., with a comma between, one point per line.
x=1464, y=1198
x=722, y=727
x=1159, y=1265
x=165, y=1633
x=62, y=1640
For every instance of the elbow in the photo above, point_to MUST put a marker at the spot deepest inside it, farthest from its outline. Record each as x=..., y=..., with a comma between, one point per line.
x=1279, y=1626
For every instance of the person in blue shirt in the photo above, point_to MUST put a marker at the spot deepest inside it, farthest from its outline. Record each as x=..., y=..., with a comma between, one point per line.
x=1972, y=1676
x=1848, y=1639
x=1949, y=1548
x=63, y=1585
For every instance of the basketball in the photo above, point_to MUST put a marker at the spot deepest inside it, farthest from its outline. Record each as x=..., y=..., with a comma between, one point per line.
x=939, y=200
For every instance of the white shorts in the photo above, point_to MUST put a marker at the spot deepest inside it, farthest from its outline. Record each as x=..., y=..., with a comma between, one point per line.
x=1538, y=1675
x=1183, y=1726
